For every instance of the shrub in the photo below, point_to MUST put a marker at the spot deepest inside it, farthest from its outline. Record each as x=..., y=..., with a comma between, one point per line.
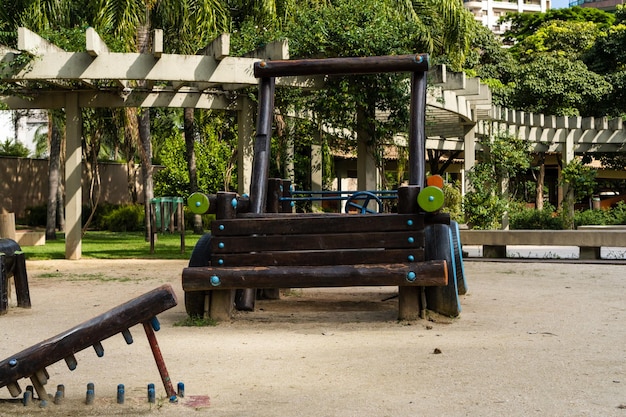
x=126, y=218
x=591, y=217
x=36, y=215
x=528, y=218
x=453, y=201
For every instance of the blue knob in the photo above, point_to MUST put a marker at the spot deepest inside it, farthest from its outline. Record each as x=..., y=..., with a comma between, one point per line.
x=215, y=281
x=198, y=204
x=293, y=204
x=221, y=245
x=411, y=258
x=13, y=362
x=431, y=198
x=411, y=240
x=221, y=227
x=409, y=222
x=411, y=276
x=220, y=262
x=233, y=202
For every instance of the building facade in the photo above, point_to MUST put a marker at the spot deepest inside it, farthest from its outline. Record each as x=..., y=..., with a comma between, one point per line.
x=489, y=12
x=607, y=5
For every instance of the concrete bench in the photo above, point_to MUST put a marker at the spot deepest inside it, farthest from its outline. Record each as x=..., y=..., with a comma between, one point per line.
x=494, y=242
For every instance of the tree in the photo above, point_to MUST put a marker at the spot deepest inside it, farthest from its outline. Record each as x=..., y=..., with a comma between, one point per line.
x=185, y=23
x=366, y=28
x=503, y=157
x=552, y=84
x=524, y=25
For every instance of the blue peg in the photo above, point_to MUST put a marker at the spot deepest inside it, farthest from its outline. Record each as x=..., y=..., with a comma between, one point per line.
x=411, y=276
x=215, y=281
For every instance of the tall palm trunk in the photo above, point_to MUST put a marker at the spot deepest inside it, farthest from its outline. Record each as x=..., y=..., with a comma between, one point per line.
x=53, y=180
x=143, y=43
x=191, y=161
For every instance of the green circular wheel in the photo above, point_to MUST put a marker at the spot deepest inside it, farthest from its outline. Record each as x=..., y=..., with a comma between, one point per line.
x=198, y=203
x=430, y=198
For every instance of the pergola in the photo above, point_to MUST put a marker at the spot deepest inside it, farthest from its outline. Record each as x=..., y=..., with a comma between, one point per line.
x=100, y=78
x=459, y=108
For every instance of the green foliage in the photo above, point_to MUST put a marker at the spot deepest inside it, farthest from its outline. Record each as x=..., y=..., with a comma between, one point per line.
x=13, y=148
x=109, y=245
x=503, y=157
x=126, y=218
x=196, y=321
x=552, y=84
x=212, y=164
x=453, y=201
x=613, y=216
x=524, y=25
x=581, y=178
x=482, y=207
x=529, y=218
x=568, y=39
x=592, y=217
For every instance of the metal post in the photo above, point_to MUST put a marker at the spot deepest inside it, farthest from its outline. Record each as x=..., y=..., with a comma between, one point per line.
x=417, y=131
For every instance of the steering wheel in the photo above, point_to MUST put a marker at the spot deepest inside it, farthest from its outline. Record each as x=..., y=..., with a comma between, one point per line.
x=360, y=200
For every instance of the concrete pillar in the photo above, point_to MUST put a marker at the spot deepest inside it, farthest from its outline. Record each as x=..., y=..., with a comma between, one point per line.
x=316, y=171
x=73, y=174
x=245, y=127
x=367, y=173
x=469, y=150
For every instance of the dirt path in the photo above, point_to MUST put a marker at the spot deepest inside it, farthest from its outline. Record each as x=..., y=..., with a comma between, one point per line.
x=538, y=339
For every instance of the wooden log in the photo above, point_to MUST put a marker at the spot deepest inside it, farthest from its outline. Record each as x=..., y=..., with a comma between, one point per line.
x=330, y=241
x=280, y=224
x=317, y=258
x=221, y=302
x=351, y=65
x=64, y=345
x=430, y=273
x=409, y=298
x=21, y=280
x=4, y=284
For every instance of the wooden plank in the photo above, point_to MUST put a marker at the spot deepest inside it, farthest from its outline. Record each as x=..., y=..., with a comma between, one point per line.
x=307, y=224
x=313, y=258
x=138, y=310
x=350, y=65
x=430, y=273
x=330, y=241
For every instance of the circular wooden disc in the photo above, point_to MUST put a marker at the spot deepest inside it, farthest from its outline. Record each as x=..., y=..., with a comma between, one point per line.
x=430, y=198
x=435, y=180
x=198, y=203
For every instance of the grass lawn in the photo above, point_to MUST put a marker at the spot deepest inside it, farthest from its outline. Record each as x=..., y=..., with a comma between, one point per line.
x=110, y=245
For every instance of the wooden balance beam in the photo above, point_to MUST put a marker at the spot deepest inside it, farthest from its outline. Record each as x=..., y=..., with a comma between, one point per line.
x=32, y=362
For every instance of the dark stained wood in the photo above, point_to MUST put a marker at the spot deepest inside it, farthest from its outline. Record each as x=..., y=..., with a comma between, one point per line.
x=409, y=305
x=431, y=273
x=308, y=224
x=121, y=318
x=21, y=280
x=417, y=132
x=329, y=241
x=350, y=65
x=312, y=258
x=4, y=286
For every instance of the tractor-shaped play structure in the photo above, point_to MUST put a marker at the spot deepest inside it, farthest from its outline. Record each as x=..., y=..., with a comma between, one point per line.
x=258, y=245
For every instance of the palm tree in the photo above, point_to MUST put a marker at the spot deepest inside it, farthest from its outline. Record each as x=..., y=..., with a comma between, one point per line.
x=188, y=24
x=42, y=15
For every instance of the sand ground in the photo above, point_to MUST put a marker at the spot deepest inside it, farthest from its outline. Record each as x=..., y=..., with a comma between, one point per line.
x=543, y=339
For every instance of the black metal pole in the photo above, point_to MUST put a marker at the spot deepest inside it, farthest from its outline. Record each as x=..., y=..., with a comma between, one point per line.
x=417, y=131
x=260, y=164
